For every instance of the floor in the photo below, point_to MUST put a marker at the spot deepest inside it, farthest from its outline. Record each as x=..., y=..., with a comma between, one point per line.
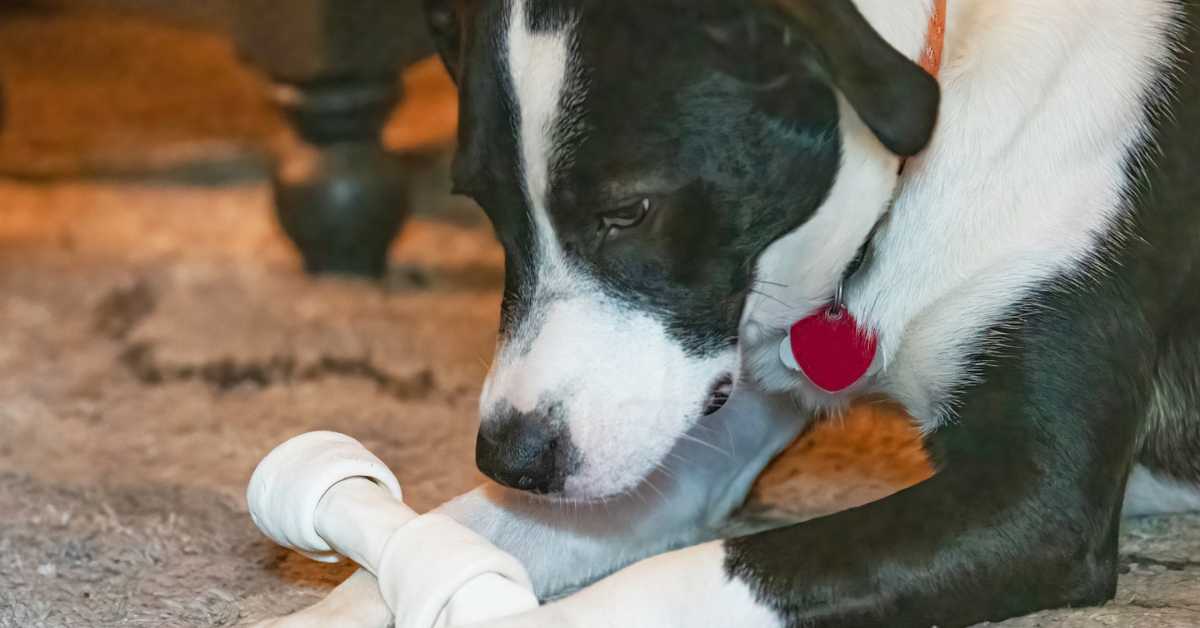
x=157, y=338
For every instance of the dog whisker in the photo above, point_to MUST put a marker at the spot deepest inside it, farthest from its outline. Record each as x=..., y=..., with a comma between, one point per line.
x=773, y=298
x=732, y=442
x=705, y=443
x=650, y=483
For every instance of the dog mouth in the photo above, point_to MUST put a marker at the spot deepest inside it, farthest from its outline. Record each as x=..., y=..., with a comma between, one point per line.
x=719, y=395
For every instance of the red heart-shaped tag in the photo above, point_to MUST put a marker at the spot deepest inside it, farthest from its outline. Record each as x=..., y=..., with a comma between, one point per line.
x=830, y=349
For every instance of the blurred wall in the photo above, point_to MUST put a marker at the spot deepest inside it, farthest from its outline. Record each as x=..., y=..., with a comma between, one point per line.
x=209, y=14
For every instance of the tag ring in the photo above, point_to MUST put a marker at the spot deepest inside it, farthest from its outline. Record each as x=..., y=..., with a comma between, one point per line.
x=837, y=309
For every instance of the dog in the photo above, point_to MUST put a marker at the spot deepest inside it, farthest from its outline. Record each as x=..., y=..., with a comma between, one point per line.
x=675, y=183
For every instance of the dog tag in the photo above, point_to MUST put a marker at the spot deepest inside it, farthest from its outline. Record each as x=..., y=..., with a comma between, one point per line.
x=830, y=349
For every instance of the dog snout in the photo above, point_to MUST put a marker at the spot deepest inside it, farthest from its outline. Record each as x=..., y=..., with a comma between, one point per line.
x=525, y=451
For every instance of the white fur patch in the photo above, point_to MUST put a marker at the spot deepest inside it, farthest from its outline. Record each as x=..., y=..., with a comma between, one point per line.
x=538, y=64
x=626, y=389
x=683, y=589
x=698, y=594
x=1150, y=494
x=1042, y=105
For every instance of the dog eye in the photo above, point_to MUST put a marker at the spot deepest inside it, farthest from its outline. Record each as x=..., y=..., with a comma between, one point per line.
x=626, y=217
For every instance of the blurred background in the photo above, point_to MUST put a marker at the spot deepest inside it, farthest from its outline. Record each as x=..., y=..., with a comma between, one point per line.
x=224, y=223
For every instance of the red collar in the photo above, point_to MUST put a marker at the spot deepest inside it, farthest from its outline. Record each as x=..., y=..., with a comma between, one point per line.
x=935, y=39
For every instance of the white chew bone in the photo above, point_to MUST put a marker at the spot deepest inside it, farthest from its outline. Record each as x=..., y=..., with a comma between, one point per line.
x=322, y=493
x=287, y=486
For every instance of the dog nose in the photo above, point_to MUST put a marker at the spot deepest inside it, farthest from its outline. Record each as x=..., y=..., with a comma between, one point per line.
x=522, y=451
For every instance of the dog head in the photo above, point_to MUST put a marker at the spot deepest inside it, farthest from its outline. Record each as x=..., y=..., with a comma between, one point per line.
x=636, y=159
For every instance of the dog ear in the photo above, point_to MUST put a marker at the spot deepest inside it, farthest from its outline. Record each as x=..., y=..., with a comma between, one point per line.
x=445, y=25
x=895, y=97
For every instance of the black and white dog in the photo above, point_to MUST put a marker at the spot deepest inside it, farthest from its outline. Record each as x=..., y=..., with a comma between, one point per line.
x=675, y=182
